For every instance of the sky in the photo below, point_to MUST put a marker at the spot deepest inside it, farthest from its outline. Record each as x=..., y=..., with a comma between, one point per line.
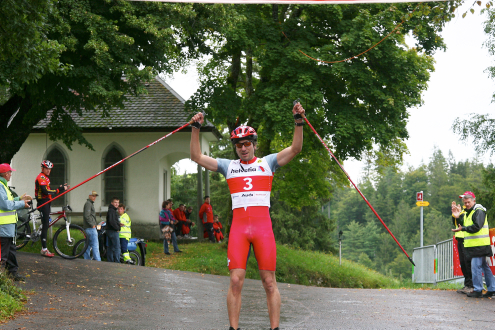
x=458, y=87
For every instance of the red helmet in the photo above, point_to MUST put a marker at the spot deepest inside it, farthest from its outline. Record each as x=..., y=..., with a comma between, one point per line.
x=243, y=133
x=47, y=164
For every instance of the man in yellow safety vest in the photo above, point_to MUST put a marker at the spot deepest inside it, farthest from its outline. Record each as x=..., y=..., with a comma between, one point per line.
x=476, y=243
x=125, y=233
x=8, y=219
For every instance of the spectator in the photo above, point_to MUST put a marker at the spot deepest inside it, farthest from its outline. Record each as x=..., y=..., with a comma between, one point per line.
x=125, y=233
x=206, y=215
x=89, y=224
x=464, y=261
x=167, y=219
x=476, y=243
x=45, y=194
x=113, y=228
x=217, y=229
x=8, y=219
x=186, y=228
x=180, y=216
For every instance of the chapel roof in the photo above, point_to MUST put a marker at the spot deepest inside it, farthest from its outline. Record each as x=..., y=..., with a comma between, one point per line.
x=162, y=109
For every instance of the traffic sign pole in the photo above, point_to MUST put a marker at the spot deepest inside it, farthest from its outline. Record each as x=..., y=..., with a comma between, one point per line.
x=421, y=227
x=420, y=202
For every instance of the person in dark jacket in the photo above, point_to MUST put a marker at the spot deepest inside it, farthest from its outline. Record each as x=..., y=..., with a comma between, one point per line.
x=113, y=227
x=464, y=261
x=476, y=243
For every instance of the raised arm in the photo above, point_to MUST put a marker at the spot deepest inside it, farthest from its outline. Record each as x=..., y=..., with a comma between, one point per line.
x=286, y=155
x=196, y=155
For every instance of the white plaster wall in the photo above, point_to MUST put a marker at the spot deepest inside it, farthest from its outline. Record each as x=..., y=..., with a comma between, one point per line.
x=143, y=172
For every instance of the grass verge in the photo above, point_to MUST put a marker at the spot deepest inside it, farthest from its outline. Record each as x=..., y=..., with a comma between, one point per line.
x=11, y=298
x=293, y=266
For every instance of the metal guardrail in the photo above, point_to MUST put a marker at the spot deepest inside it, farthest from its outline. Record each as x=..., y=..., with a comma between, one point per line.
x=434, y=263
x=424, y=259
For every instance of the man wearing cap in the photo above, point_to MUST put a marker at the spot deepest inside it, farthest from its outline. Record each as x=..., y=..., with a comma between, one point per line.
x=8, y=219
x=89, y=217
x=476, y=243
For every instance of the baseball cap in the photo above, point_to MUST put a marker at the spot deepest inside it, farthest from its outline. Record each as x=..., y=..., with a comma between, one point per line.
x=5, y=168
x=93, y=193
x=467, y=194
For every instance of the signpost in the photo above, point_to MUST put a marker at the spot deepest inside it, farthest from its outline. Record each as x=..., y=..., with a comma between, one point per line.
x=421, y=203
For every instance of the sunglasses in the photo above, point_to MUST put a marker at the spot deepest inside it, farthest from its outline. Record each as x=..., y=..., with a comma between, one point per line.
x=246, y=144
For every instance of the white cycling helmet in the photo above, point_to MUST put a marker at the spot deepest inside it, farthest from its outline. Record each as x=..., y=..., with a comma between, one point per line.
x=47, y=164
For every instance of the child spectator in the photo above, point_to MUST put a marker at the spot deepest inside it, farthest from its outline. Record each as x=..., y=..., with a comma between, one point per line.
x=217, y=229
x=124, y=233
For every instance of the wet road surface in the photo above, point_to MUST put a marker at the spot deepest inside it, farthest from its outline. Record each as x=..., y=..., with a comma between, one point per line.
x=80, y=294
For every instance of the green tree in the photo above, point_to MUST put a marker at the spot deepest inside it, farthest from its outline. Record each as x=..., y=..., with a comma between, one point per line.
x=96, y=53
x=258, y=70
x=479, y=129
x=437, y=227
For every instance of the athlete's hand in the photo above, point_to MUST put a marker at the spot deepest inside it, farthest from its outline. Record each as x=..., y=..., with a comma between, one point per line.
x=198, y=118
x=298, y=109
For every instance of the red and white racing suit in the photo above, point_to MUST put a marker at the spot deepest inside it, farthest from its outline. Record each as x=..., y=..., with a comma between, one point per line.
x=250, y=185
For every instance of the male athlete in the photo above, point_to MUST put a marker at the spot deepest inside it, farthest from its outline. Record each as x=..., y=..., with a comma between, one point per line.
x=43, y=194
x=250, y=181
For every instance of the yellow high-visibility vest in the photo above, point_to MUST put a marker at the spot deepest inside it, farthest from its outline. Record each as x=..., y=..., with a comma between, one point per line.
x=7, y=217
x=125, y=231
x=480, y=238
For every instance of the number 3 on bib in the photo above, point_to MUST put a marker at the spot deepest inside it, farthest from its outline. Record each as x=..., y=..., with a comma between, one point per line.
x=249, y=185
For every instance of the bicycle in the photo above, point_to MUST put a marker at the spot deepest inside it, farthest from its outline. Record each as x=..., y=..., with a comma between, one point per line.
x=64, y=238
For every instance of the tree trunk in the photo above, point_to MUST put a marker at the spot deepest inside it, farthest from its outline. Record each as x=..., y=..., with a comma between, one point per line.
x=13, y=136
x=249, y=73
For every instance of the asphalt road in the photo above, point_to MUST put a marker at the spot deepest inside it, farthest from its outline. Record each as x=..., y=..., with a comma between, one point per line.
x=80, y=294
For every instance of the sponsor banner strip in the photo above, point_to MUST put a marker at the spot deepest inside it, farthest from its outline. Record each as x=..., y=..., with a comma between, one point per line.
x=308, y=2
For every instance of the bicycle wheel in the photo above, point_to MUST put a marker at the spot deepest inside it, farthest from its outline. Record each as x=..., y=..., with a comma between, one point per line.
x=23, y=234
x=76, y=250
x=135, y=256
x=64, y=242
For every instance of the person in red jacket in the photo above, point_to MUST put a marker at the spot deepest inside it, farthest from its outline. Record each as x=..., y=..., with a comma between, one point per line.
x=181, y=217
x=217, y=228
x=43, y=194
x=206, y=215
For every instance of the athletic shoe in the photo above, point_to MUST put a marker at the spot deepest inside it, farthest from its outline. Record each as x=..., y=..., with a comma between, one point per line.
x=130, y=262
x=489, y=294
x=46, y=253
x=178, y=251
x=167, y=253
x=475, y=294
